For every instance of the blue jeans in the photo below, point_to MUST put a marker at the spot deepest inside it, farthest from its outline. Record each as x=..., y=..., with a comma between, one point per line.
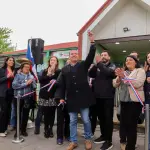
x=13, y=116
x=73, y=124
x=38, y=117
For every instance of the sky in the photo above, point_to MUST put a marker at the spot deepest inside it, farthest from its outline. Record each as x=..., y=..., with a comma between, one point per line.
x=55, y=21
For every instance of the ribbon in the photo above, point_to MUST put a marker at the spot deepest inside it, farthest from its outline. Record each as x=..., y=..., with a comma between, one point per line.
x=127, y=79
x=51, y=85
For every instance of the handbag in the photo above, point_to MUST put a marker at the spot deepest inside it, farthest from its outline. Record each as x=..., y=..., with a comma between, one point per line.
x=141, y=118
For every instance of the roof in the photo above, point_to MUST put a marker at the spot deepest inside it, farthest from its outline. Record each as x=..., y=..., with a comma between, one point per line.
x=89, y=22
x=94, y=17
x=49, y=47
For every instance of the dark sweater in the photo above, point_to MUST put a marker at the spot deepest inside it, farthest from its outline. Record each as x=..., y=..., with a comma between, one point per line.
x=103, y=74
x=147, y=89
x=44, y=79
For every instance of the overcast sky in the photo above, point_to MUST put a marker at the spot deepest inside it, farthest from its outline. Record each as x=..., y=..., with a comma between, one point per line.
x=55, y=21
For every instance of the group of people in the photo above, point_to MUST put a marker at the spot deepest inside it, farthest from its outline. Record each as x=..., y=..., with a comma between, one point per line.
x=80, y=87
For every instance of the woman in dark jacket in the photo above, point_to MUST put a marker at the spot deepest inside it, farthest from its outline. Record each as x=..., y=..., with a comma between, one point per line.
x=6, y=93
x=147, y=83
x=46, y=100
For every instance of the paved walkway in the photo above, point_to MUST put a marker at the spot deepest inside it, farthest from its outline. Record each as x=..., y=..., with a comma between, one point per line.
x=38, y=142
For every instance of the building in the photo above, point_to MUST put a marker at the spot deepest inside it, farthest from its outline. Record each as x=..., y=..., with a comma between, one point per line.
x=119, y=26
x=61, y=51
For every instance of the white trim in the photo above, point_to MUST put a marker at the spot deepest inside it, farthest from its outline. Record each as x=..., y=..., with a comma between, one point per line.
x=146, y=2
x=101, y=16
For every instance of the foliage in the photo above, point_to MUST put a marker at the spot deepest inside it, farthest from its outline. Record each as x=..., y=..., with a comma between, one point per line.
x=5, y=42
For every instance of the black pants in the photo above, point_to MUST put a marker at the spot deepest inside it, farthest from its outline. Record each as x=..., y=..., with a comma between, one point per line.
x=130, y=112
x=5, y=112
x=49, y=116
x=39, y=117
x=63, y=121
x=105, y=110
x=24, y=113
x=93, y=117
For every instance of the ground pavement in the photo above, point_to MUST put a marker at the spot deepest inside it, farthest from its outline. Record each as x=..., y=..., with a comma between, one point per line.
x=38, y=142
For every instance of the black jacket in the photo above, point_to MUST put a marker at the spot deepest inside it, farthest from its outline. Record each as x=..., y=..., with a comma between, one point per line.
x=44, y=79
x=103, y=74
x=4, y=83
x=74, y=86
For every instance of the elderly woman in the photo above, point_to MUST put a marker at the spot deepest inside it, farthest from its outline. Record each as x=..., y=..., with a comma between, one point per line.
x=23, y=83
x=130, y=105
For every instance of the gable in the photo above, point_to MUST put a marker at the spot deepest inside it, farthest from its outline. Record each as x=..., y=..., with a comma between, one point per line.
x=132, y=16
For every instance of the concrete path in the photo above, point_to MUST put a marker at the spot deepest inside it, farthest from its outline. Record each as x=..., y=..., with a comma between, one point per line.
x=38, y=142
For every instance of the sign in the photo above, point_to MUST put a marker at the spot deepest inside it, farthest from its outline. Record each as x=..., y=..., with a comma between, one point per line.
x=61, y=54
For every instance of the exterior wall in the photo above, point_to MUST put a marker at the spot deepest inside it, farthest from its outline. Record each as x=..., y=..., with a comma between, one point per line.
x=132, y=16
x=85, y=42
x=62, y=56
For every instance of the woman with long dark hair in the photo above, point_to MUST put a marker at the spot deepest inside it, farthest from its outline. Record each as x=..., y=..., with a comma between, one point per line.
x=6, y=93
x=130, y=105
x=46, y=100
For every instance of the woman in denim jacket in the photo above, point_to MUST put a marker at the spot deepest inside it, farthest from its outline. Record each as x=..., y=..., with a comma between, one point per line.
x=23, y=83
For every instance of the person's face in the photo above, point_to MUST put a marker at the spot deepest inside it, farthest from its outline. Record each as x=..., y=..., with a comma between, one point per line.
x=135, y=55
x=74, y=56
x=53, y=61
x=10, y=62
x=105, y=57
x=148, y=58
x=130, y=63
x=26, y=69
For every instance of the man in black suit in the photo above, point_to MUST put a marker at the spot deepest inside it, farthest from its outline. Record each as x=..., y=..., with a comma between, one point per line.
x=73, y=84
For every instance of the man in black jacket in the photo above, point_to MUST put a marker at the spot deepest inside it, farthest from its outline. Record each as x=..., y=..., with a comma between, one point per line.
x=73, y=84
x=103, y=72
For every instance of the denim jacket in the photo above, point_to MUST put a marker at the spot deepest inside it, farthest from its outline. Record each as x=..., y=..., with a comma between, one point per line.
x=19, y=84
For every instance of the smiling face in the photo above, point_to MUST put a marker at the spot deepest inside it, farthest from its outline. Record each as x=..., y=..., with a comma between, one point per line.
x=74, y=56
x=105, y=57
x=130, y=63
x=10, y=62
x=26, y=68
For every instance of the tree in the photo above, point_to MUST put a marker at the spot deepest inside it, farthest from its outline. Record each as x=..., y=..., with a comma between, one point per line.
x=5, y=42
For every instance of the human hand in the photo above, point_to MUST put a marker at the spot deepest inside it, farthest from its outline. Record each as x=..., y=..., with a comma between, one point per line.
x=29, y=81
x=120, y=72
x=91, y=36
x=10, y=75
x=62, y=101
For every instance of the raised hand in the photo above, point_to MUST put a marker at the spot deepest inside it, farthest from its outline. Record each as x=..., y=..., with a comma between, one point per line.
x=91, y=36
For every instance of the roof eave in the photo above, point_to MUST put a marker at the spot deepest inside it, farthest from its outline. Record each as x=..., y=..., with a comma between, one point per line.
x=92, y=19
